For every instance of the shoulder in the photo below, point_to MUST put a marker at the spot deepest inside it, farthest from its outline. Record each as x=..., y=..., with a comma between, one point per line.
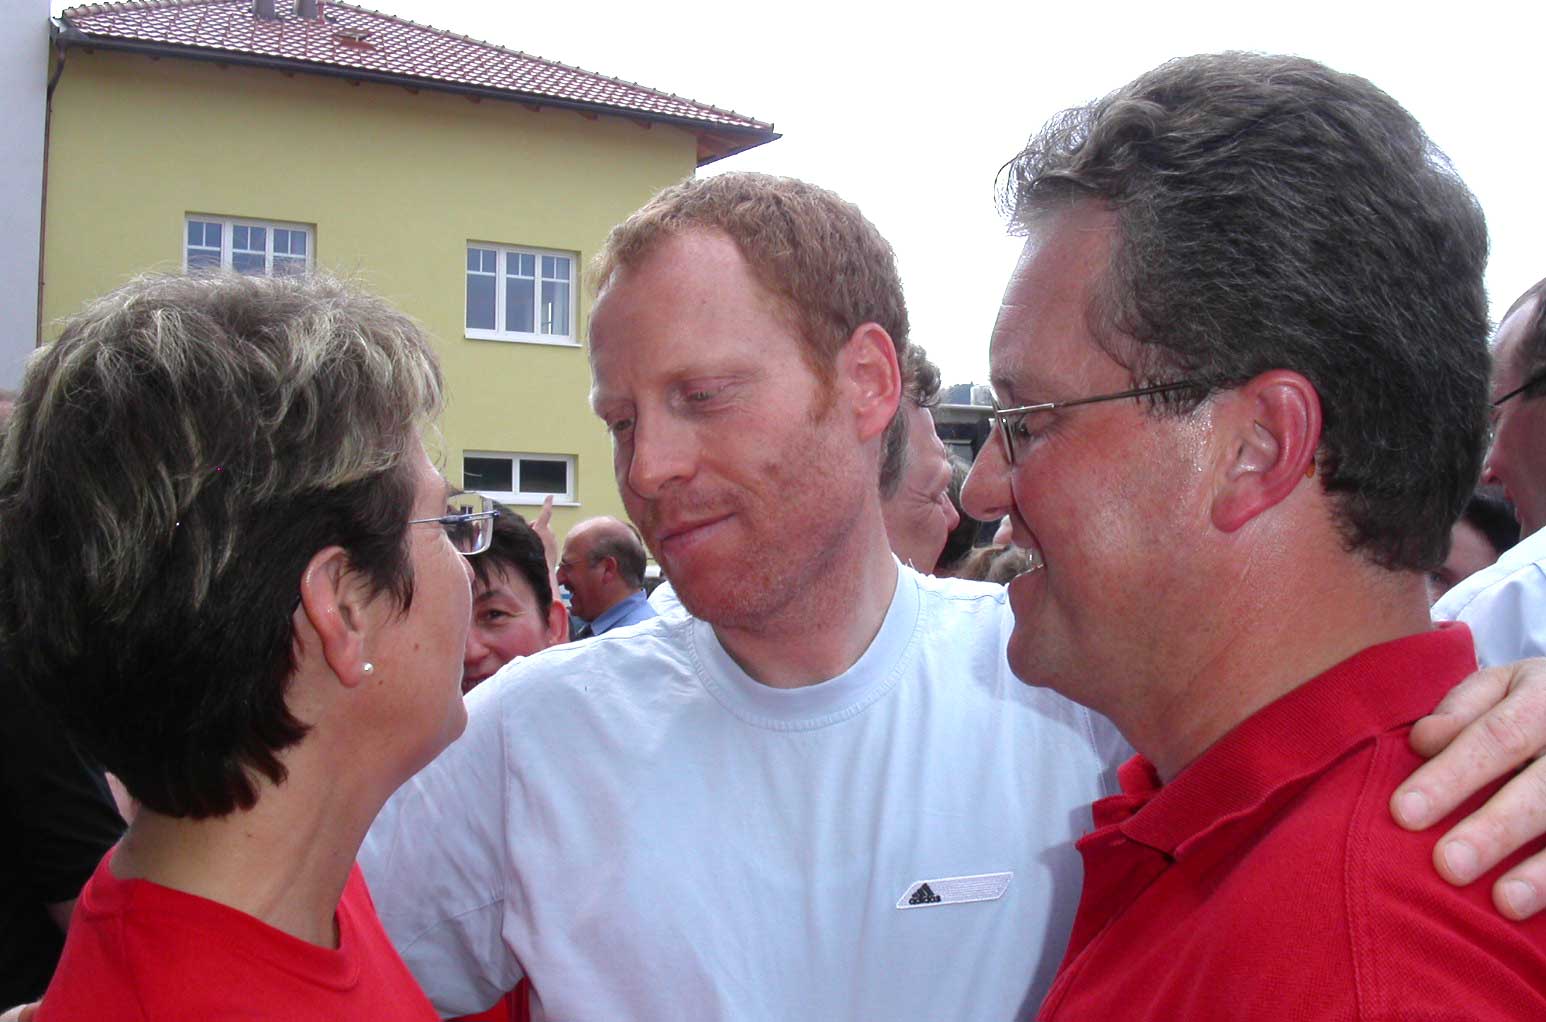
x=611, y=664
x=1407, y=926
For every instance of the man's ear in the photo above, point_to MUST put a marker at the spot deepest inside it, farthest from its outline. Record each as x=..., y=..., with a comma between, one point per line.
x=1270, y=429
x=867, y=366
x=334, y=599
x=558, y=622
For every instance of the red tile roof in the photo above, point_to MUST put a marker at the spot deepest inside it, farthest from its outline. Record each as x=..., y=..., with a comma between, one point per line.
x=354, y=41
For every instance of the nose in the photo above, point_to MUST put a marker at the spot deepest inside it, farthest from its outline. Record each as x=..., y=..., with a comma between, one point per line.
x=986, y=494
x=660, y=451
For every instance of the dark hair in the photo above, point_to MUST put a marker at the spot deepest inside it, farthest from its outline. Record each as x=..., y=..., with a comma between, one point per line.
x=1493, y=516
x=621, y=543
x=1273, y=213
x=920, y=385
x=515, y=547
x=175, y=460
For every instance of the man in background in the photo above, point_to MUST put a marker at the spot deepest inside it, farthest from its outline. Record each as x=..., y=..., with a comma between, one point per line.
x=602, y=565
x=1505, y=605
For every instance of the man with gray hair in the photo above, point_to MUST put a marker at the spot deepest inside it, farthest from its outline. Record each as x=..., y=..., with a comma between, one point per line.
x=602, y=564
x=1242, y=365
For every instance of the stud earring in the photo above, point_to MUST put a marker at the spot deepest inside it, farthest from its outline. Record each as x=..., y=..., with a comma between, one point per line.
x=367, y=667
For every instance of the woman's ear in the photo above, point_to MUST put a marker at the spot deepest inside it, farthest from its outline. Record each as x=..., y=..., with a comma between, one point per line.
x=334, y=599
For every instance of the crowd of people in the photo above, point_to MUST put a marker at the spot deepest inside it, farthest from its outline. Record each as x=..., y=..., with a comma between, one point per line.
x=1161, y=750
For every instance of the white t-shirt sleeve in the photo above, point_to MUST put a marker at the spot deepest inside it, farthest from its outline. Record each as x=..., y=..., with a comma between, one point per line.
x=437, y=865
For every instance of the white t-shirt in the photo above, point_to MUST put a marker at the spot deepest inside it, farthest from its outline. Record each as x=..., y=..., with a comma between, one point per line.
x=1504, y=604
x=649, y=834
x=665, y=601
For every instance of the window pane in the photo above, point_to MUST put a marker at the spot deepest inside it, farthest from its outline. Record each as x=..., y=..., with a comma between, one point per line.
x=298, y=243
x=203, y=234
x=247, y=262
x=480, y=260
x=480, y=302
x=239, y=236
x=203, y=251
x=289, y=266
x=528, y=265
x=555, y=308
x=547, y=267
x=282, y=241
x=519, y=305
x=491, y=474
x=542, y=476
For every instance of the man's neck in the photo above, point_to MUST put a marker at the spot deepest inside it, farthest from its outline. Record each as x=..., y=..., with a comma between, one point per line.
x=825, y=629
x=1261, y=655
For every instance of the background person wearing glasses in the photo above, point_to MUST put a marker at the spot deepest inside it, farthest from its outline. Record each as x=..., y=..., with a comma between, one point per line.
x=247, y=596
x=1505, y=605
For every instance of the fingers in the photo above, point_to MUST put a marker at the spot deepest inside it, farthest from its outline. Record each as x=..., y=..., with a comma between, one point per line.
x=1515, y=815
x=1463, y=704
x=1521, y=892
x=1503, y=716
x=20, y=1013
x=545, y=515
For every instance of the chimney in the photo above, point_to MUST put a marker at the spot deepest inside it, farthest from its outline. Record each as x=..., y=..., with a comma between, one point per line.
x=264, y=10
x=307, y=9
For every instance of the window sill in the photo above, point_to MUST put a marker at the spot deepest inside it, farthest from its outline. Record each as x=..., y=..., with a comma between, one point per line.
x=552, y=342
x=517, y=500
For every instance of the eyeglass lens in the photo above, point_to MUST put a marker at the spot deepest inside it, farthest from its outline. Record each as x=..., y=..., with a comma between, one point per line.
x=470, y=536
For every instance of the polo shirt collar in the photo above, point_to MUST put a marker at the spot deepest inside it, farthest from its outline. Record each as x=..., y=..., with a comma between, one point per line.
x=1297, y=736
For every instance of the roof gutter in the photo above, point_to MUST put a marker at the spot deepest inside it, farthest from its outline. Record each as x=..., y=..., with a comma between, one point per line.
x=69, y=35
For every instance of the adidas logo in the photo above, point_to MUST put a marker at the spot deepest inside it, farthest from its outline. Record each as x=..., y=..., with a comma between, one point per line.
x=924, y=896
x=954, y=890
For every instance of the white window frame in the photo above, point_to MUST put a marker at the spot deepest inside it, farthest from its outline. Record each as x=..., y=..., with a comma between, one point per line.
x=227, y=223
x=569, y=498
x=569, y=340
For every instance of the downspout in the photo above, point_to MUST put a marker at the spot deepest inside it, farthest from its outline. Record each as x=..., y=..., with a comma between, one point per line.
x=48, y=120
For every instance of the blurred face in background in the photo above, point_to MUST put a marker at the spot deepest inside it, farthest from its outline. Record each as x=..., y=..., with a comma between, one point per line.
x=508, y=623
x=919, y=516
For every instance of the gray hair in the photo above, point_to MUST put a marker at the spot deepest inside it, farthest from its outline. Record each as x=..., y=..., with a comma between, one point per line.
x=1274, y=213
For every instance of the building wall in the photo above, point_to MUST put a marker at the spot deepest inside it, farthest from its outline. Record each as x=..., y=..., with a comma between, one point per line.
x=395, y=184
x=23, y=81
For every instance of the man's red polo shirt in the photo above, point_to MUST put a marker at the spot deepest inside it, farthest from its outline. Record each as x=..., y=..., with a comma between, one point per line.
x=1268, y=880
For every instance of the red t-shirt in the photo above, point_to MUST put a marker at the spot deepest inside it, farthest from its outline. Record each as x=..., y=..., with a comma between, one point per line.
x=1268, y=880
x=142, y=952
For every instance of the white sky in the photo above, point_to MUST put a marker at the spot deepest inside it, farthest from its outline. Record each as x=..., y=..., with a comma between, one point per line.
x=909, y=109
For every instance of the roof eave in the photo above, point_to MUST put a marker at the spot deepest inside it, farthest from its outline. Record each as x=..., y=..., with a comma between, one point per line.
x=715, y=140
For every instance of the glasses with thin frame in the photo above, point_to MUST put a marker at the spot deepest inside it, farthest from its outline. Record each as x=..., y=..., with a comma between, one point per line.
x=1010, y=421
x=468, y=521
x=1535, y=380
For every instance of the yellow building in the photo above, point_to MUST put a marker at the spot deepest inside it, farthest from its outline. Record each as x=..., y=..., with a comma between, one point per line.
x=467, y=183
